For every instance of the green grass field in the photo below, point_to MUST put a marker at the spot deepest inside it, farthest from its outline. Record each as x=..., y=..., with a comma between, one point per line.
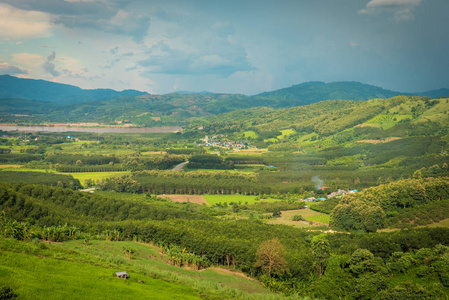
x=96, y=176
x=250, y=134
x=74, y=270
x=82, y=176
x=33, y=277
x=286, y=133
x=307, y=214
x=442, y=223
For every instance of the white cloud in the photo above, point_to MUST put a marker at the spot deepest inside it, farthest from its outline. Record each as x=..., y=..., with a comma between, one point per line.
x=19, y=24
x=8, y=69
x=30, y=61
x=402, y=9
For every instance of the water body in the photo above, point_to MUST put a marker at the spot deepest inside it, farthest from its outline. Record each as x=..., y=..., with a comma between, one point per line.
x=163, y=129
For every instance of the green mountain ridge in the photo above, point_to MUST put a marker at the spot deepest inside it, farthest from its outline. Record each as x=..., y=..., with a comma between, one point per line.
x=64, y=103
x=62, y=94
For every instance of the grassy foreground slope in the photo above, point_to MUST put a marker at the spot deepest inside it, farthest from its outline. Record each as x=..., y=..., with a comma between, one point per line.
x=75, y=270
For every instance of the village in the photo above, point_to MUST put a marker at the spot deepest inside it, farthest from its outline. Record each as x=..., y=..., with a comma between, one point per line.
x=338, y=194
x=221, y=141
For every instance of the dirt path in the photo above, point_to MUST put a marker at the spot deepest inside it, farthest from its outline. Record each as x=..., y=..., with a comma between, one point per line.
x=180, y=166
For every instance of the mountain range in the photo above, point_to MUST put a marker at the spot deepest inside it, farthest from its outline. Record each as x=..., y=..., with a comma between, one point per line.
x=49, y=101
x=63, y=94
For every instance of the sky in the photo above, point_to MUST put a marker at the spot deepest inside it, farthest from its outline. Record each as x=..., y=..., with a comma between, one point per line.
x=232, y=46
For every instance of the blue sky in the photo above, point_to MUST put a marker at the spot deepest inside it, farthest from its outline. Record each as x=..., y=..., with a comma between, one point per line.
x=233, y=46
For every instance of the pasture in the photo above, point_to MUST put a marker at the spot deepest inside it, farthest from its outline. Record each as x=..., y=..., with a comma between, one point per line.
x=85, y=270
x=45, y=277
x=308, y=214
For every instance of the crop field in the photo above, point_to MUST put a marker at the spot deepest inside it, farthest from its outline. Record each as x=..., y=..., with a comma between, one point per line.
x=214, y=199
x=10, y=166
x=198, y=199
x=96, y=176
x=388, y=121
x=251, y=151
x=81, y=176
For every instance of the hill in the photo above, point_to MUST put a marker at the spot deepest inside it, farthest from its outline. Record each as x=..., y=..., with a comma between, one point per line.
x=312, y=92
x=53, y=102
x=62, y=94
x=440, y=93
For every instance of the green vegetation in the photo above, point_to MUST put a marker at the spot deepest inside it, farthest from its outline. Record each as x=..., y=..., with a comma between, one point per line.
x=401, y=203
x=393, y=151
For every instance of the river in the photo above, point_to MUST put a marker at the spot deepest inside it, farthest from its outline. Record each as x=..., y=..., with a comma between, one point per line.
x=163, y=129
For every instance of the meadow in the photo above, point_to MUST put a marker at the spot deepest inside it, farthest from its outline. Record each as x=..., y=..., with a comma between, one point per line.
x=309, y=215
x=83, y=269
x=96, y=176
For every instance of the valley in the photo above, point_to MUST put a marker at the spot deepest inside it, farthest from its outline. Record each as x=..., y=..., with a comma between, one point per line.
x=352, y=196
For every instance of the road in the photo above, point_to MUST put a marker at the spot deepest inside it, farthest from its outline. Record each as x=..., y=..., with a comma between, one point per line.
x=180, y=166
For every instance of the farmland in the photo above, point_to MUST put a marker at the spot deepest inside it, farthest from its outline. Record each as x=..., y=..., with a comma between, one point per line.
x=201, y=231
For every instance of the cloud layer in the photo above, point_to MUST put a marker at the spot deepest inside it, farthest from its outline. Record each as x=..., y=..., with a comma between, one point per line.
x=226, y=46
x=17, y=24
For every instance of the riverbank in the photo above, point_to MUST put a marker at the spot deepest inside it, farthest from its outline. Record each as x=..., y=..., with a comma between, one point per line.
x=116, y=129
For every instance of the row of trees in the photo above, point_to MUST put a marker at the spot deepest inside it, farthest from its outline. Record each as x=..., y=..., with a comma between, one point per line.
x=167, y=182
x=209, y=161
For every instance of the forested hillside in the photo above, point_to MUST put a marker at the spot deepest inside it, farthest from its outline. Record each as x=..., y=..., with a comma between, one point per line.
x=62, y=94
x=39, y=101
x=307, y=263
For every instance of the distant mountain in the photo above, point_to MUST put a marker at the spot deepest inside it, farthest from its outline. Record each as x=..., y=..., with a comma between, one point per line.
x=315, y=91
x=190, y=93
x=441, y=93
x=62, y=94
x=53, y=102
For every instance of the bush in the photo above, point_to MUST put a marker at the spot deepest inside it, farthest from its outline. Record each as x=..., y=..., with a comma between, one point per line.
x=298, y=218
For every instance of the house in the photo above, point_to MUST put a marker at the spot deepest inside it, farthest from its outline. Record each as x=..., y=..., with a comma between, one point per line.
x=123, y=275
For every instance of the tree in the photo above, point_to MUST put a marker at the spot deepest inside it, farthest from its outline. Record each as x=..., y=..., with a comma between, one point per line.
x=321, y=252
x=129, y=252
x=270, y=257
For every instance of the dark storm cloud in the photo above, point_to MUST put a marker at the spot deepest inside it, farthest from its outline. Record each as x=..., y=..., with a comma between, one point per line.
x=49, y=65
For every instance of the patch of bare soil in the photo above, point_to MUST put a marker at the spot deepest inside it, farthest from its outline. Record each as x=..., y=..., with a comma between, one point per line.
x=186, y=198
x=379, y=141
